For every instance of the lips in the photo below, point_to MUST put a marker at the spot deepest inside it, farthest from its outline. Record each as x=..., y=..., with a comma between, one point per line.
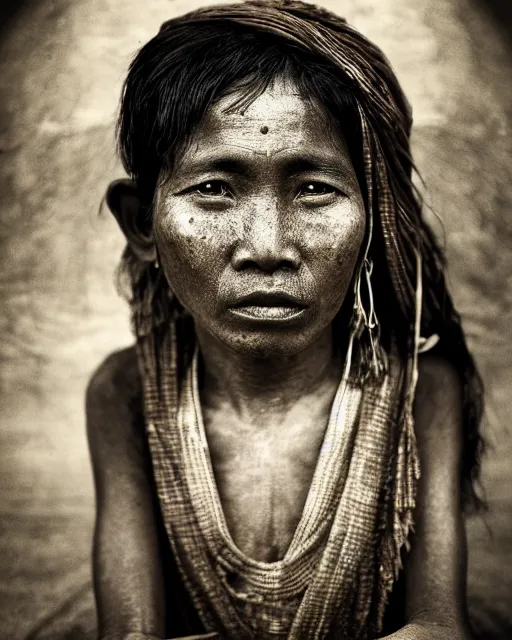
x=269, y=306
x=269, y=299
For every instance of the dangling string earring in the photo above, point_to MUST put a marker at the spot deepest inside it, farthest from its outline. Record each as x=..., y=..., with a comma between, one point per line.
x=365, y=328
x=370, y=319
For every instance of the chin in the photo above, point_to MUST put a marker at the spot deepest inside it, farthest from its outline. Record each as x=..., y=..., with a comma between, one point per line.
x=271, y=344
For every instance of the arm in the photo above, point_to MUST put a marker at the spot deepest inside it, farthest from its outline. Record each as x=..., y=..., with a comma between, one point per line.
x=435, y=569
x=128, y=580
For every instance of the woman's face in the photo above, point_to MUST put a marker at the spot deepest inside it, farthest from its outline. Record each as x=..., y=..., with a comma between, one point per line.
x=259, y=227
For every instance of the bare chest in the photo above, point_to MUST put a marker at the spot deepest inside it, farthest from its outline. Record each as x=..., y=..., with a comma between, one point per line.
x=263, y=477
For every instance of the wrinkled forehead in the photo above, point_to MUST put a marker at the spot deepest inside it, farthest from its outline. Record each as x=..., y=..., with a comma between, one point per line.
x=277, y=120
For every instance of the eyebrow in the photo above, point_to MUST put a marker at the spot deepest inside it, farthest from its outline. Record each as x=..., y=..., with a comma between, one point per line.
x=291, y=164
x=224, y=164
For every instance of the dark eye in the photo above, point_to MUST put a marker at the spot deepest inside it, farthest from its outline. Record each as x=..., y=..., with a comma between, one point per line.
x=315, y=189
x=213, y=188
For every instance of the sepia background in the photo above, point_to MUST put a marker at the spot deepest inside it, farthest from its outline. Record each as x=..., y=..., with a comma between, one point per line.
x=62, y=63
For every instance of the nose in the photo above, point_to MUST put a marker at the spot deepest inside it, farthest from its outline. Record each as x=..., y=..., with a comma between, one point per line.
x=267, y=243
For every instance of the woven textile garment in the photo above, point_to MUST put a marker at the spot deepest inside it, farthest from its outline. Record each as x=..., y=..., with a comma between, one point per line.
x=344, y=557
x=322, y=586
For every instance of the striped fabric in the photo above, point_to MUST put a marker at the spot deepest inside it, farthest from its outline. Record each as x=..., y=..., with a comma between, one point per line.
x=330, y=580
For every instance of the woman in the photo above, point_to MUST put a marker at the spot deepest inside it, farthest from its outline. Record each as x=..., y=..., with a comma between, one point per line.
x=300, y=397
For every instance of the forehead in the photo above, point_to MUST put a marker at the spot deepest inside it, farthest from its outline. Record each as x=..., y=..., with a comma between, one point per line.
x=277, y=120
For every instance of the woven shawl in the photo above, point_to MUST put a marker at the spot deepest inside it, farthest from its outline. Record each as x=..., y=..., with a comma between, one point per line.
x=333, y=578
x=344, y=558
x=328, y=583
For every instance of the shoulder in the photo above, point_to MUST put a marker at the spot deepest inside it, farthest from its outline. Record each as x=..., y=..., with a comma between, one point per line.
x=114, y=404
x=438, y=406
x=116, y=380
x=438, y=411
x=436, y=373
x=439, y=385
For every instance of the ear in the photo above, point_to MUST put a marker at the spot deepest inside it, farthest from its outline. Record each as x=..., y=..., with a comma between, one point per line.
x=124, y=202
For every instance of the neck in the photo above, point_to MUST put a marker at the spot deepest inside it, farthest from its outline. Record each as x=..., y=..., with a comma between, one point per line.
x=253, y=385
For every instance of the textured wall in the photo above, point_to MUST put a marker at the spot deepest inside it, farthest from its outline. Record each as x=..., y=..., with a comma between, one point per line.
x=61, y=67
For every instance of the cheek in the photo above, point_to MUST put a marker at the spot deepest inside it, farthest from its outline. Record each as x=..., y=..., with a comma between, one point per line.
x=334, y=241
x=192, y=250
x=335, y=244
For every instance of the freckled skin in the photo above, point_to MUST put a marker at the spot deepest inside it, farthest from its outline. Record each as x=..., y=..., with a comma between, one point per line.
x=262, y=234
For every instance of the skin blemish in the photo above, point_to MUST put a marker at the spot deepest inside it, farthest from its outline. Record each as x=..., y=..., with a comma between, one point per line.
x=191, y=220
x=274, y=234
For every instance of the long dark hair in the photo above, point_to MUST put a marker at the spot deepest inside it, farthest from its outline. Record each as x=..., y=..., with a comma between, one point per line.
x=199, y=58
